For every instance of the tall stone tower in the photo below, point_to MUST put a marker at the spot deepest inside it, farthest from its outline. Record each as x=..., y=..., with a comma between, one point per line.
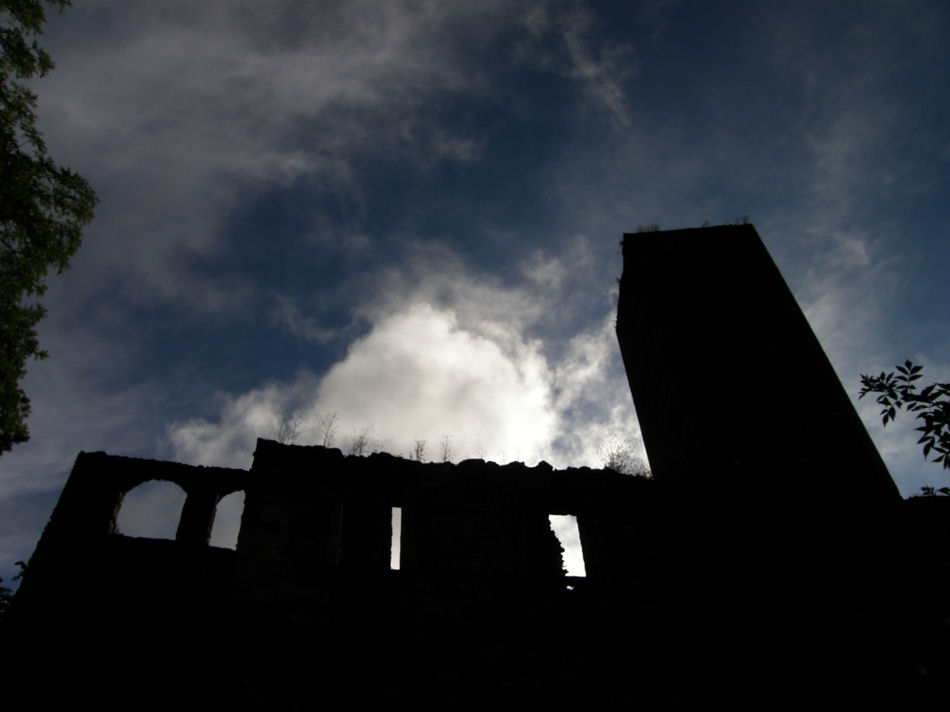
x=743, y=416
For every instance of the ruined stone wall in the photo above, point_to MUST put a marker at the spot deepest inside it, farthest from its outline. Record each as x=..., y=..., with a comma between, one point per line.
x=80, y=551
x=310, y=512
x=313, y=510
x=306, y=612
x=308, y=601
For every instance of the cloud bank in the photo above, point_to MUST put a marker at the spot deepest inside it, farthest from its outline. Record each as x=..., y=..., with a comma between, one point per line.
x=450, y=359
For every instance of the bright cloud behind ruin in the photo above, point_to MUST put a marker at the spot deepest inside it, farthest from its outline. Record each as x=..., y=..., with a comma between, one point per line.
x=421, y=375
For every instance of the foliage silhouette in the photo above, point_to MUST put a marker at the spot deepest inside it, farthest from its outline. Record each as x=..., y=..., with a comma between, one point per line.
x=328, y=428
x=287, y=431
x=6, y=594
x=418, y=451
x=620, y=458
x=360, y=442
x=932, y=406
x=43, y=208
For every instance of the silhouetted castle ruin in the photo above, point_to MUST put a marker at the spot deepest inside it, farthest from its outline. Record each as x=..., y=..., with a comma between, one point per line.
x=769, y=563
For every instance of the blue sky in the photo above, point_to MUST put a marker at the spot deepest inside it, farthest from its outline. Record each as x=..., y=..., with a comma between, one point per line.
x=408, y=214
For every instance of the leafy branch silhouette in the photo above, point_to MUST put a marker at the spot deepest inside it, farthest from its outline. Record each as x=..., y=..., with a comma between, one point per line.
x=896, y=391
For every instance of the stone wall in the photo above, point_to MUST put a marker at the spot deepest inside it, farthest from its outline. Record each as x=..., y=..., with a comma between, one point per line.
x=480, y=598
x=307, y=611
x=311, y=512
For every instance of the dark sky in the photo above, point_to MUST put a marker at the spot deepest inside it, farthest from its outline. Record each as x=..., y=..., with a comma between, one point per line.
x=408, y=214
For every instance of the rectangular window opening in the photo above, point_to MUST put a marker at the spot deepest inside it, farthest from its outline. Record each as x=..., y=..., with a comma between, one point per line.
x=566, y=531
x=395, y=547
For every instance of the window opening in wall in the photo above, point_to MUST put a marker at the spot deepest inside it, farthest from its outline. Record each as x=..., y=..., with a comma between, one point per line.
x=153, y=510
x=227, y=520
x=395, y=548
x=565, y=529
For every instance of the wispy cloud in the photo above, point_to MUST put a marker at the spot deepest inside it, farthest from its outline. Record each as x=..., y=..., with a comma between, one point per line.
x=174, y=114
x=563, y=38
x=287, y=314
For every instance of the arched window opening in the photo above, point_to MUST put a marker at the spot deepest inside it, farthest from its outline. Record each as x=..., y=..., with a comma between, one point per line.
x=153, y=510
x=227, y=521
x=566, y=531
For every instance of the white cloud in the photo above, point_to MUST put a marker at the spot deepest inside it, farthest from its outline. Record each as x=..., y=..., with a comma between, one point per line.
x=594, y=398
x=449, y=355
x=418, y=375
x=545, y=272
x=229, y=442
